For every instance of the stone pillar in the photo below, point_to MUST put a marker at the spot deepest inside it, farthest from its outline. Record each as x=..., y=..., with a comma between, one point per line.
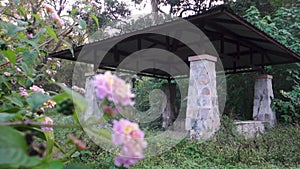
x=92, y=108
x=169, y=111
x=202, y=116
x=263, y=96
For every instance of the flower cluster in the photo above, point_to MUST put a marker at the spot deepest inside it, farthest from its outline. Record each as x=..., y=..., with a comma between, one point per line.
x=78, y=89
x=128, y=135
x=37, y=89
x=49, y=104
x=113, y=88
x=23, y=92
x=47, y=121
x=54, y=15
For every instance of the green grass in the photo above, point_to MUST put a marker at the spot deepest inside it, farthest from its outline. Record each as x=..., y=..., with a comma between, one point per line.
x=278, y=148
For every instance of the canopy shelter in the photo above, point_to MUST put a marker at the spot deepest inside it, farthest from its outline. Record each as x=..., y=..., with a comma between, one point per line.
x=226, y=43
x=240, y=46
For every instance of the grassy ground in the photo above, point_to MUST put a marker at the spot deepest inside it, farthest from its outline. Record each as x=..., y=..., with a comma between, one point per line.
x=278, y=148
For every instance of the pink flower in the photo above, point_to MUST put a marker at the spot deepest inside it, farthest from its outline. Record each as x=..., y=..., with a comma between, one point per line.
x=52, y=79
x=48, y=72
x=128, y=135
x=58, y=63
x=126, y=161
x=36, y=89
x=57, y=19
x=23, y=92
x=49, y=8
x=60, y=22
x=6, y=74
x=47, y=121
x=114, y=88
x=12, y=81
x=75, y=88
x=29, y=35
x=82, y=90
x=54, y=72
x=18, y=69
x=41, y=111
x=55, y=16
x=122, y=93
x=78, y=89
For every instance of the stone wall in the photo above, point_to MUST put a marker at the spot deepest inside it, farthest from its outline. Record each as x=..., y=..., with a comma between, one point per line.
x=250, y=129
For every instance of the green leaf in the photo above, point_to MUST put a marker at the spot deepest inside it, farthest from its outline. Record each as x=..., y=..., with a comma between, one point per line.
x=17, y=2
x=21, y=23
x=36, y=16
x=55, y=164
x=11, y=56
x=29, y=57
x=15, y=101
x=105, y=133
x=49, y=135
x=60, y=97
x=42, y=31
x=36, y=100
x=13, y=150
x=51, y=32
x=70, y=46
x=9, y=109
x=76, y=166
x=78, y=99
x=4, y=81
x=6, y=117
x=95, y=19
x=27, y=70
x=76, y=154
x=73, y=11
x=82, y=23
x=13, y=29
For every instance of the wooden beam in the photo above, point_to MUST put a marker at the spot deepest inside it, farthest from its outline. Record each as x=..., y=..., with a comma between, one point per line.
x=230, y=33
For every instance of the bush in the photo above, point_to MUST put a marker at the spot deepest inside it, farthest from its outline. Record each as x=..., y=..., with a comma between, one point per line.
x=278, y=148
x=288, y=108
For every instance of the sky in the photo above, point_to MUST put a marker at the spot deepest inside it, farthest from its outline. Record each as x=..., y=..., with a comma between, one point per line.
x=145, y=7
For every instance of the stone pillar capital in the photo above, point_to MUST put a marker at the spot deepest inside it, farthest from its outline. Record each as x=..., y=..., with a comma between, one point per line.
x=203, y=57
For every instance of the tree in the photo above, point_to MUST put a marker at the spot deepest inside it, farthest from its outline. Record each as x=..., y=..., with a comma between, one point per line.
x=283, y=25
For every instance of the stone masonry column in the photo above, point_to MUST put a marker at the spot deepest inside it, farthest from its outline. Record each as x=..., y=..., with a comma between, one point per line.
x=92, y=108
x=202, y=116
x=263, y=96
